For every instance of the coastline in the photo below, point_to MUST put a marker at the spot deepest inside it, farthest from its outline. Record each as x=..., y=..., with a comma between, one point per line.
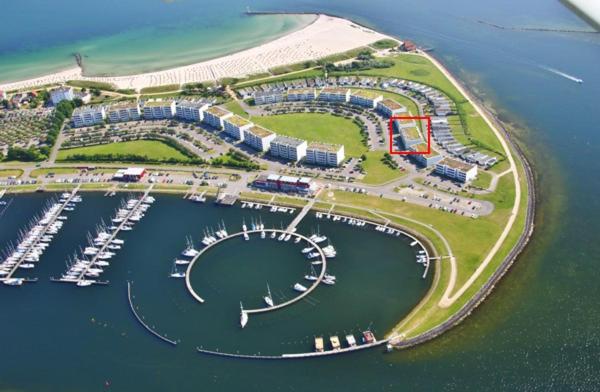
x=325, y=36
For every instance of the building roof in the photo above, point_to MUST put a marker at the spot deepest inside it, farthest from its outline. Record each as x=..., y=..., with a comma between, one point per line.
x=259, y=131
x=334, y=90
x=301, y=91
x=192, y=104
x=158, y=103
x=391, y=104
x=267, y=92
x=134, y=171
x=61, y=89
x=456, y=164
x=238, y=121
x=325, y=147
x=410, y=133
x=368, y=94
x=422, y=147
x=217, y=111
x=124, y=105
x=289, y=141
x=87, y=109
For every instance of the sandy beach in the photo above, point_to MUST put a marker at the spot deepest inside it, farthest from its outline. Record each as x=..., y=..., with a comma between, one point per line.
x=327, y=35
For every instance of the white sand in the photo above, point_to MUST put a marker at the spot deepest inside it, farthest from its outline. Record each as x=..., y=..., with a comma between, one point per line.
x=325, y=36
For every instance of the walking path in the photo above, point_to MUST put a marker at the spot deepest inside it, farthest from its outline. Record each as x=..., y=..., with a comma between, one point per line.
x=449, y=298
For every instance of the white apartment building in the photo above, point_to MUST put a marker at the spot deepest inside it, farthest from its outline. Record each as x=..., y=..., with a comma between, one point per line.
x=301, y=94
x=61, y=94
x=389, y=108
x=124, y=112
x=288, y=148
x=267, y=97
x=324, y=154
x=456, y=170
x=214, y=116
x=191, y=110
x=335, y=94
x=235, y=125
x=158, y=110
x=258, y=137
x=87, y=116
x=368, y=99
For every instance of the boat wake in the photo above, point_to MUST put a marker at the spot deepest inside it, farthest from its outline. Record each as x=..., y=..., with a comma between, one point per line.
x=564, y=75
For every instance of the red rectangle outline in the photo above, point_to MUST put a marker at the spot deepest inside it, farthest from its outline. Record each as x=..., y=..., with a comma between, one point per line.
x=405, y=152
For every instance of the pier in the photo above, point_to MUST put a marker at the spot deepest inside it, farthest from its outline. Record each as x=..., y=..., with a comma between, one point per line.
x=81, y=279
x=316, y=354
x=271, y=308
x=34, y=243
x=141, y=321
x=301, y=215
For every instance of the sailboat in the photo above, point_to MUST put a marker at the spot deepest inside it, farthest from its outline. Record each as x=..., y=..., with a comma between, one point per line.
x=269, y=298
x=175, y=273
x=243, y=316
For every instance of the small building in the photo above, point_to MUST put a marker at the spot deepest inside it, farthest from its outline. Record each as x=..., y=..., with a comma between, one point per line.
x=88, y=115
x=215, y=115
x=61, y=94
x=325, y=154
x=424, y=159
x=124, y=112
x=366, y=98
x=191, y=110
x=408, y=46
x=288, y=148
x=159, y=110
x=289, y=184
x=301, y=94
x=456, y=170
x=131, y=174
x=235, y=125
x=335, y=94
x=258, y=137
x=267, y=97
x=389, y=107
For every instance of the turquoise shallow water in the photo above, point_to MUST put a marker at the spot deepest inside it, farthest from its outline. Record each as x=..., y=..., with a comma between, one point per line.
x=537, y=332
x=157, y=36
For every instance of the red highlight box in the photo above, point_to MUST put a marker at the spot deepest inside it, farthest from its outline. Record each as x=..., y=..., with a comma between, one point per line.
x=408, y=152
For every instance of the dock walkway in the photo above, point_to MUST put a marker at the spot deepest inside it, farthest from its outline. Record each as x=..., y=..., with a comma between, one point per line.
x=271, y=308
x=139, y=319
x=301, y=215
x=38, y=238
x=114, y=234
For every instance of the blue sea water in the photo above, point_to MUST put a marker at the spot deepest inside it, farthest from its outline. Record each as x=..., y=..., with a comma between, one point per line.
x=538, y=331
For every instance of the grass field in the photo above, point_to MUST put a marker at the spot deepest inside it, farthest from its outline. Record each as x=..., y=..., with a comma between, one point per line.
x=160, y=89
x=377, y=171
x=322, y=127
x=56, y=170
x=153, y=149
x=5, y=173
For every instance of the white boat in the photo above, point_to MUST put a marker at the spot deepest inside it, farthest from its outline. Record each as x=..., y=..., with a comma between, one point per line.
x=182, y=262
x=175, y=273
x=246, y=236
x=189, y=252
x=85, y=282
x=27, y=265
x=269, y=298
x=298, y=239
x=300, y=288
x=312, y=255
x=263, y=235
x=308, y=250
x=14, y=281
x=243, y=316
x=329, y=282
x=273, y=234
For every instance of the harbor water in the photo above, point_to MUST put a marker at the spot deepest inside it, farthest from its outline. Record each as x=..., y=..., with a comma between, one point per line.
x=538, y=331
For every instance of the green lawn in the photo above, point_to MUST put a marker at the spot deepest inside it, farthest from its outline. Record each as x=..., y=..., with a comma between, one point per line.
x=234, y=107
x=4, y=173
x=153, y=149
x=377, y=171
x=322, y=127
x=56, y=170
x=483, y=180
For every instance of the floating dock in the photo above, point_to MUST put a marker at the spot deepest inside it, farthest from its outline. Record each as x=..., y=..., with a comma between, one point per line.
x=226, y=199
x=33, y=245
x=141, y=321
x=81, y=279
